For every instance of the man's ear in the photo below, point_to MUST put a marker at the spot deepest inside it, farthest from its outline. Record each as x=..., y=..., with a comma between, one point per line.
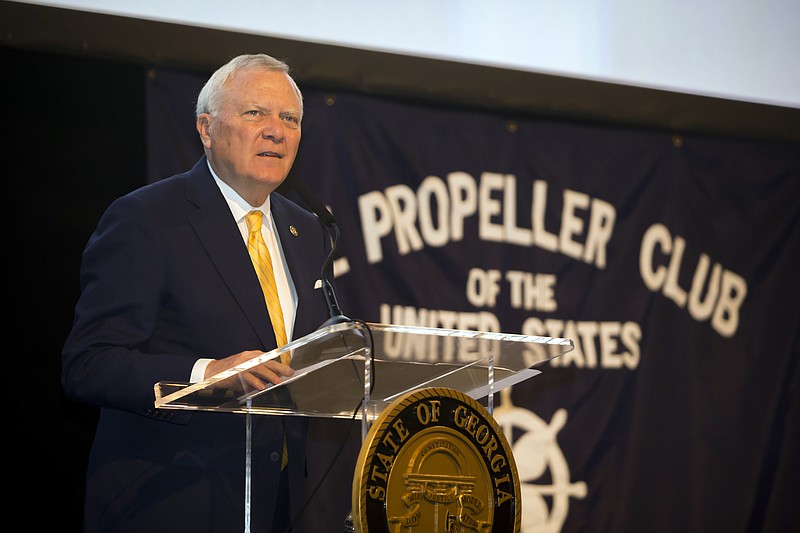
x=203, y=126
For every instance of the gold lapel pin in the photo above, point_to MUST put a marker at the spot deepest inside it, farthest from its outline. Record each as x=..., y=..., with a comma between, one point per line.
x=293, y=231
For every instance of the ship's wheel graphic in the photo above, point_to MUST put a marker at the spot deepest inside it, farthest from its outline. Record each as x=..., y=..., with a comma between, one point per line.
x=544, y=504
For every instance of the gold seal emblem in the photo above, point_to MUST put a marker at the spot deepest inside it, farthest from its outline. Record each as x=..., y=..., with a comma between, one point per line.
x=435, y=461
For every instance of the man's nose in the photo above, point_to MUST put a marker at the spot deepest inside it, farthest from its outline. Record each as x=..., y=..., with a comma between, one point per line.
x=273, y=129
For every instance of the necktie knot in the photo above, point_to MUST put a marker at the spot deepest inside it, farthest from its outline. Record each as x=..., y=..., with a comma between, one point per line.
x=254, y=219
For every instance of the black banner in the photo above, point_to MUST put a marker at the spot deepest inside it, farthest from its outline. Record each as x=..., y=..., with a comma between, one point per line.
x=670, y=260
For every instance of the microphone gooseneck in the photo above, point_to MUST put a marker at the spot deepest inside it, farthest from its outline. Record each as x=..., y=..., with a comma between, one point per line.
x=334, y=312
x=329, y=222
x=336, y=317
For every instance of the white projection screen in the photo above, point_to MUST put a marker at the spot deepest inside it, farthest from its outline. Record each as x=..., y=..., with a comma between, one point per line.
x=734, y=49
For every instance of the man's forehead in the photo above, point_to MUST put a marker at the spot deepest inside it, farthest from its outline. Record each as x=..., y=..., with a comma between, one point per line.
x=263, y=83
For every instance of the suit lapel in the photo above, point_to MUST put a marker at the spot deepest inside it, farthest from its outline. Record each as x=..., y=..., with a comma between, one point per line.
x=219, y=235
x=299, y=241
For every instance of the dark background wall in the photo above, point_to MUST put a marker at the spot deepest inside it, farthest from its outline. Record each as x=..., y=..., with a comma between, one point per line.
x=74, y=139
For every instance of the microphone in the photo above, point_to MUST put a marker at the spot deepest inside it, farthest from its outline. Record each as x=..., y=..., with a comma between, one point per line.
x=329, y=222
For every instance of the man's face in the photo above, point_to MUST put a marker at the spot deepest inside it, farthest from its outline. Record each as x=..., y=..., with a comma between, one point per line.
x=253, y=138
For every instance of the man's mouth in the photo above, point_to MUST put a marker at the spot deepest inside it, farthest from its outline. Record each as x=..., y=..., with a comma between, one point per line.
x=270, y=154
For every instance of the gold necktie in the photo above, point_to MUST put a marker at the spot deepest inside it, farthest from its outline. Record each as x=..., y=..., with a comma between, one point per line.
x=262, y=261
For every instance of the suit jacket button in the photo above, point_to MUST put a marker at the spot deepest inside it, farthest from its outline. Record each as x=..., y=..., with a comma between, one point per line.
x=274, y=456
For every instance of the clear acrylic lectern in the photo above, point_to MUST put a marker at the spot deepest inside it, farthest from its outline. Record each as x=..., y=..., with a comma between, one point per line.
x=356, y=369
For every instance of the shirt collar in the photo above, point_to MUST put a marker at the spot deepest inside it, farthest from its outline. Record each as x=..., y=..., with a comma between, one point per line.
x=238, y=205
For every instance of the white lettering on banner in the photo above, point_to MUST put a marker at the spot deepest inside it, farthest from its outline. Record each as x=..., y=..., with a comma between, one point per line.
x=433, y=348
x=527, y=290
x=532, y=291
x=434, y=215
x=483, y=286
x=439, y=318
x=609, y=345
x=724, y=290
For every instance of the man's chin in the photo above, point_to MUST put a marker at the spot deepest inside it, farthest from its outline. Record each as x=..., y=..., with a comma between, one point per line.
x=271, y=179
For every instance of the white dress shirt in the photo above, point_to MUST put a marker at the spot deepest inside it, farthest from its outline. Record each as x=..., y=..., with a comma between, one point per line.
x=286, y=290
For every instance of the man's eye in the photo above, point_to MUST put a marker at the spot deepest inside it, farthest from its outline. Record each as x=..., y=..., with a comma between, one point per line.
x=252, y=112
x=291, y=118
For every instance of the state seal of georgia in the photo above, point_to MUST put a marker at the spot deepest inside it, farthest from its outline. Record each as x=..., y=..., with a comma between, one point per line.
x=435, y=461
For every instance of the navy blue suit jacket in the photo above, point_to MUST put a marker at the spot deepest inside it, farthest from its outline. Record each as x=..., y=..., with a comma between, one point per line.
x=166, y=279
